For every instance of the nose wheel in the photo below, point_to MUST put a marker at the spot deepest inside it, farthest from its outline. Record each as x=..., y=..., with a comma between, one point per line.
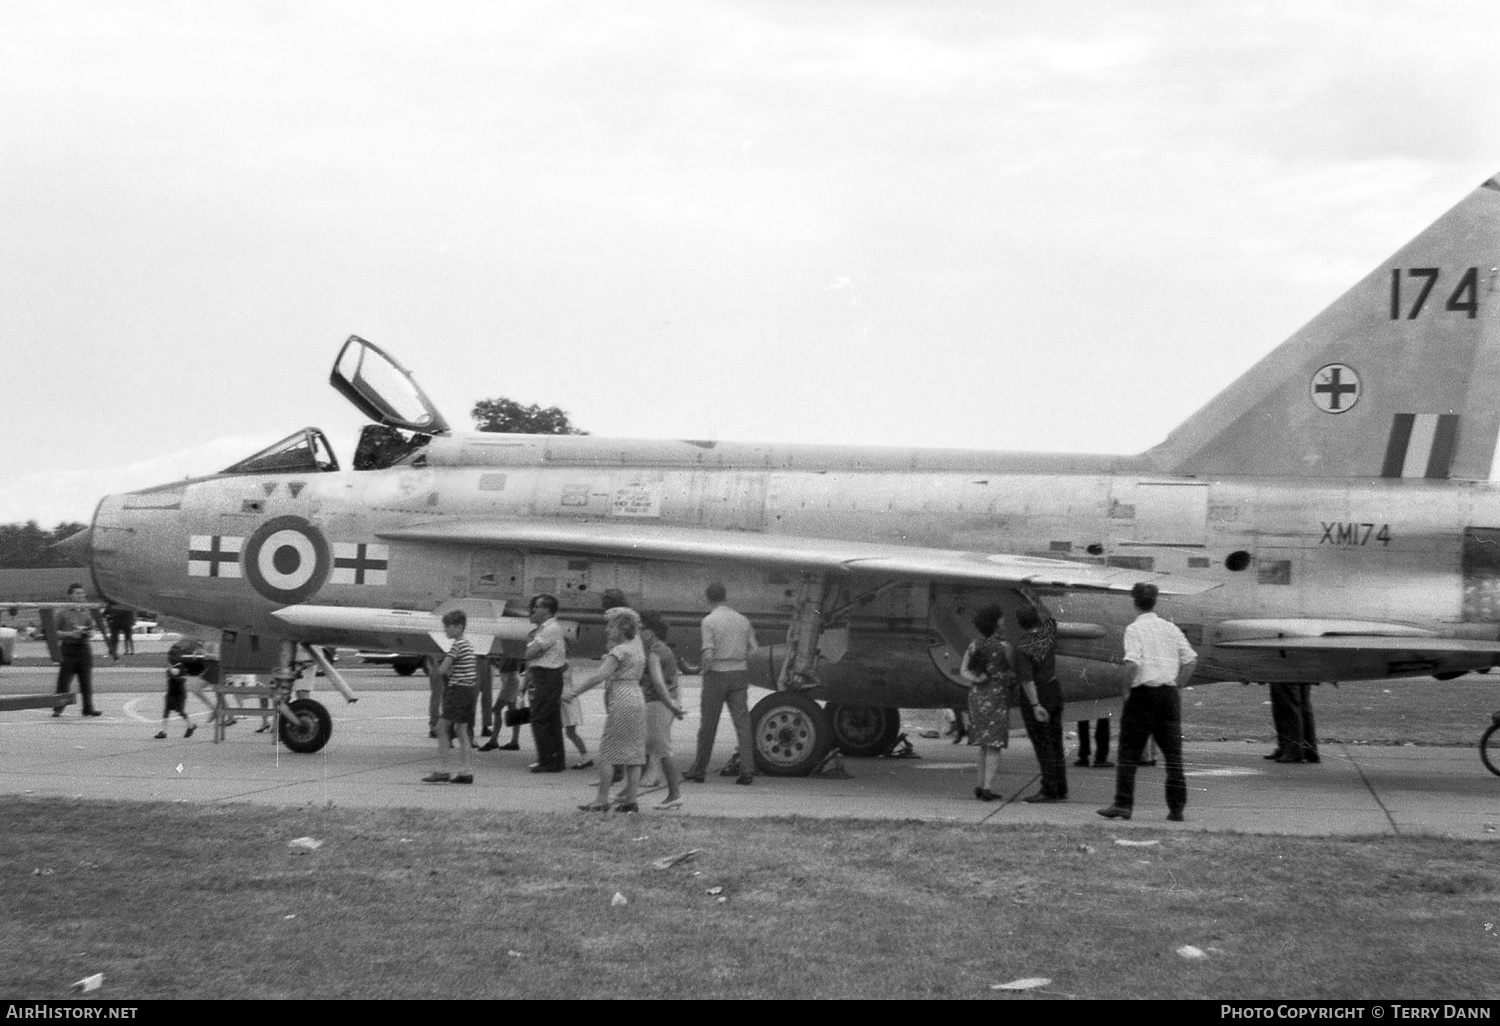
x=304, y=725
x=1489, y=745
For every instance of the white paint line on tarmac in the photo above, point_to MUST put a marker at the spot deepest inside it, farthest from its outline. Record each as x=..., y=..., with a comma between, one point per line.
x=1227, y=771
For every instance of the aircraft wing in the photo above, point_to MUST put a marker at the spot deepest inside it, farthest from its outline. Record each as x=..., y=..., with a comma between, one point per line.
x=791, y=552
x=1369, y=643
x=6, y=606
x=1315, y=635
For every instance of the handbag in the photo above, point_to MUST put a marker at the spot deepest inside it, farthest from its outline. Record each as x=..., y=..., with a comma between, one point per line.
x=517, y=715
x=520, y=715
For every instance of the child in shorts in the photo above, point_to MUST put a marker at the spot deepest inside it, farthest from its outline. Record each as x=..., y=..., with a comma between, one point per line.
x=459, y=672
x=184, y=659
x=176, y=702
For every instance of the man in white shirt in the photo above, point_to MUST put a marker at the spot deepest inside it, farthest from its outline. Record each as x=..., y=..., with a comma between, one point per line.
x=546, y=659
x=1158, y=660
x=728, y=644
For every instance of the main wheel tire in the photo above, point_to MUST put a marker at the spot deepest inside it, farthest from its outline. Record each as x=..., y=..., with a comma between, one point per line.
x=863, y=730
x=407, y=667
x=1491, y=758
x=792, y=735
x=311, y=731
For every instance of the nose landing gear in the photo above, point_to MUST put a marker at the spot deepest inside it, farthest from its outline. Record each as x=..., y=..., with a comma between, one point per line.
x=304, y=725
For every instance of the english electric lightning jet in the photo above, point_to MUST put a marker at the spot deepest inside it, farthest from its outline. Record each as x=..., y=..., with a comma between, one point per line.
x=1327, y=517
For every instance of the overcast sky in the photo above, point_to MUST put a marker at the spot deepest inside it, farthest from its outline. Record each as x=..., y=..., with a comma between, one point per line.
x=992, y=225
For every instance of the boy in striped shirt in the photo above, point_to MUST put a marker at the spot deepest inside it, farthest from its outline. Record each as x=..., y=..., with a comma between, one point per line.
x=459, y=673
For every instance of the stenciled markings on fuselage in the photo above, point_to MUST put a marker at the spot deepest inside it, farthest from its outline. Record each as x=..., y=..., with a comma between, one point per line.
x=1350, y=534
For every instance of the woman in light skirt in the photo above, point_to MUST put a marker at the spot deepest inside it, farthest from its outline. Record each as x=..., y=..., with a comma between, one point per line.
x=623, y=742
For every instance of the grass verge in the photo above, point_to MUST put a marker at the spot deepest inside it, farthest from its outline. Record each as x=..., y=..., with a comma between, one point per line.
x=179, y=901
x=1424, y=711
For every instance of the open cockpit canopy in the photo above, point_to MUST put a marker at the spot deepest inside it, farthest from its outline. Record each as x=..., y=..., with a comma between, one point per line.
x=383, y=390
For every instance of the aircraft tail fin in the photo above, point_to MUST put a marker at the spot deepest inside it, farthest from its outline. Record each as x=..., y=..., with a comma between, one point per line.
x=1399, y=378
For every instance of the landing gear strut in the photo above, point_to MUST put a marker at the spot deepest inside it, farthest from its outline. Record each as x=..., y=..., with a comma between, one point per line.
x=302, y=724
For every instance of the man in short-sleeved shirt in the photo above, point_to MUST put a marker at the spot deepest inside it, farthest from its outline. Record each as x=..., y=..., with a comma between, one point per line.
x=728, y=644
x=728, y=640
x=546, y=658
x=75, y=653
x=1158, y=659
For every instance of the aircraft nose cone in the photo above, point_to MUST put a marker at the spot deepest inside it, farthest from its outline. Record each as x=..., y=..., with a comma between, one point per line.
x=79, y=546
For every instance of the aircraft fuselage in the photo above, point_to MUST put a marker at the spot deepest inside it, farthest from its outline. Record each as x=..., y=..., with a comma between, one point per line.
x=1399, y=550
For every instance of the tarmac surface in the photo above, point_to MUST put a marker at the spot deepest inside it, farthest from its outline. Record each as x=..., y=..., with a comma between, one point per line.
x=380, y=750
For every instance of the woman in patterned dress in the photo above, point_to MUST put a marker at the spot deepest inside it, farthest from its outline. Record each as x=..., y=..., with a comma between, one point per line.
x=623, y=742
x=989, y=667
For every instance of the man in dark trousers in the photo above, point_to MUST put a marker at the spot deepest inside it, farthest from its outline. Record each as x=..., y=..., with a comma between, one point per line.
x=728, y=643
x=76, y=656
x=1101, y=743
x=546, y=659
x=1296, y=731
x=1158, y=660
x=1042, y=701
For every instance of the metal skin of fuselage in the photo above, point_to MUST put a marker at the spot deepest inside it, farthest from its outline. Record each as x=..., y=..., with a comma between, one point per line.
x=1053, y=506
x=955, y=500
x=1329, y=517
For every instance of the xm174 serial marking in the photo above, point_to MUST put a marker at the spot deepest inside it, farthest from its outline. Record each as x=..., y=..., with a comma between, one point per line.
x=1463, y=299
x=1349, y=533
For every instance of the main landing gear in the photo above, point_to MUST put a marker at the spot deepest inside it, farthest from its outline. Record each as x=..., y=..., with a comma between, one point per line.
x=864, y=730
x=793, y=733
x=1489, y=745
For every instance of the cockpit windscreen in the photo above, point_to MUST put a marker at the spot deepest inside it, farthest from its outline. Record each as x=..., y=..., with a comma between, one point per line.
x=306, y=452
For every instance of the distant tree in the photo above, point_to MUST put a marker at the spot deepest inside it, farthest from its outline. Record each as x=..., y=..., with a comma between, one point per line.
x=27, y=546
x=506, y=416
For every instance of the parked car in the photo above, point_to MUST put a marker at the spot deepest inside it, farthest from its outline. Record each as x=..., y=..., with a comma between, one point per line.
x=148, y=630
x=405, y=665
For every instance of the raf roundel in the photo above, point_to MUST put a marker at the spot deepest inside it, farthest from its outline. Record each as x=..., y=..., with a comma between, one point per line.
x=1335, y=388
x=287, y=559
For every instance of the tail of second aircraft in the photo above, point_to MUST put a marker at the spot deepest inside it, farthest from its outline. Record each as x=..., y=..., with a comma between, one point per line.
x=1399, y=378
